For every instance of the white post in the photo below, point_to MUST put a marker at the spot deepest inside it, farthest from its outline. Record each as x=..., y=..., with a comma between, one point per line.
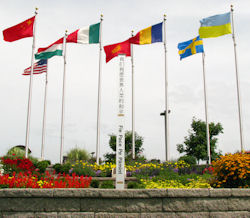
x=133, y=100
x=206, y=113
x=63, y=97
x=120, y=138
x=99, y=96
x=30, y=88
x=238, y=84
x=166, y=93
x=44, y=113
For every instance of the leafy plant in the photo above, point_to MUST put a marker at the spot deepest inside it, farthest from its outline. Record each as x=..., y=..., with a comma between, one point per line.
x=95, y=183
x=231, y=171
x=84, y=171
x=134, y=185
x=42, y=165
x=107, y=184
x=65, y=168
x=57, y=167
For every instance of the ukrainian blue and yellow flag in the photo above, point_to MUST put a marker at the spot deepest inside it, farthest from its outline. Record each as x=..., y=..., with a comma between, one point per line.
x=190, y=47
x=214, y=26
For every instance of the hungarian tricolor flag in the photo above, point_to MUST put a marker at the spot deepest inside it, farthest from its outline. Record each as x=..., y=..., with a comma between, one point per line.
x=19, y=31
x=85, y=35
x=116, y=49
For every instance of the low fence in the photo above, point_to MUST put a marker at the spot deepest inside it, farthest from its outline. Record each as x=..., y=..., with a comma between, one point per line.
x=140, y=203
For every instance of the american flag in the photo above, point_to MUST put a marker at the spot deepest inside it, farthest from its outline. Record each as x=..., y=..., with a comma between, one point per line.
x=38, y=67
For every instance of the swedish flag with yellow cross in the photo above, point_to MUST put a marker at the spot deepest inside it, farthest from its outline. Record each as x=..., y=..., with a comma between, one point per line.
x=190, y=47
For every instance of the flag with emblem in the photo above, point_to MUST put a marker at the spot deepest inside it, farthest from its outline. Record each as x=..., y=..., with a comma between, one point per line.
x=19, y=31
x=116, y=49
x=38, y=68
x=190, y=47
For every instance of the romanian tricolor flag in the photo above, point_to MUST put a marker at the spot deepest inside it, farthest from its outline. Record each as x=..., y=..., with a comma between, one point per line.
x=149, y=35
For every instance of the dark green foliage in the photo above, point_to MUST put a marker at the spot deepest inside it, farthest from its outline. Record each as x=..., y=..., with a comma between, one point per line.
x=188, y=159
x=4, y=186
x=65, y=168
x=134, y=185
x=42, y=165
x=107, y=184
x=110, y=157
x=195, y=144
x=57, y=167
x=48, y=161
x=62, y=168
x=155, y=161
x=83, y=171
x=95, y=183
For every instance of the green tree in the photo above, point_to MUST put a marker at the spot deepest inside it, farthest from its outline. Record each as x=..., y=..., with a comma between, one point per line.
x=128, y=146
x=195, y=144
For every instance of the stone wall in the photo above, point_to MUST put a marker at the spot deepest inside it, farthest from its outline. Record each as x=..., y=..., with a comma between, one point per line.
x=104, y=203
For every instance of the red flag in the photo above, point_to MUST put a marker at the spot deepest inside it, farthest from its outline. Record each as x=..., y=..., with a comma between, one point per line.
x=19, y=31
x=115, y=49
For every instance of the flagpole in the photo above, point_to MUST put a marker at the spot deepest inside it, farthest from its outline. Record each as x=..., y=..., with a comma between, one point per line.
x=44, y=113
x=63, y=97
x=133, y=100
x=166, y=93
x=30, y=88
x=206, y=112
x=99, y=96
x=237, y=83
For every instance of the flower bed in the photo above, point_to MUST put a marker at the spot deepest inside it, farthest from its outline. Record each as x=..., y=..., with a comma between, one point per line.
x=229, y=171
x=29, y=180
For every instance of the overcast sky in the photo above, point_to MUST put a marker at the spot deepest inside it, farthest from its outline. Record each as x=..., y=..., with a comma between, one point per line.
x=186, y=98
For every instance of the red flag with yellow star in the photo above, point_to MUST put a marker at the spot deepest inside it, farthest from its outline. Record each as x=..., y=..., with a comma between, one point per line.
x=19, y=31
x=115, y=49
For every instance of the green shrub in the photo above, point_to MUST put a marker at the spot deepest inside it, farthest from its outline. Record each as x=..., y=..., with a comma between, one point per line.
x=107, y=184
x=83, y=171
x=4, y=186
x=62, y=168
x=42, y=165
x=95, y=183
x=57, y=167
x=65, y=168
x=134, y=185
x=188, y=159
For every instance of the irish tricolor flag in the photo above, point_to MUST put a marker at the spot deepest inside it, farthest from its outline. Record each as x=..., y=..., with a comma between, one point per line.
x=86, y=35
